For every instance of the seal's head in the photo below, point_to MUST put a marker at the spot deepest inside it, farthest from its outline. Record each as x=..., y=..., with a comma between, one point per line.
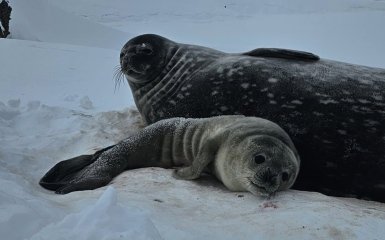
x=259, y=164
x=142, y=58
x=273, y=166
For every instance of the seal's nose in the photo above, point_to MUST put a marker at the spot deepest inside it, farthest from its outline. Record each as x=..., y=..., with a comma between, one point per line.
x=269, y=178
x=285, y=176
x=122, y=55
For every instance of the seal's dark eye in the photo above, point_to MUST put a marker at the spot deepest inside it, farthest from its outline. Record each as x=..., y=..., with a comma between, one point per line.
x=259, y=159
x=285, y=176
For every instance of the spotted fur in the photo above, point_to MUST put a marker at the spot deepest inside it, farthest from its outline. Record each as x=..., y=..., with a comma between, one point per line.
x=334, y=111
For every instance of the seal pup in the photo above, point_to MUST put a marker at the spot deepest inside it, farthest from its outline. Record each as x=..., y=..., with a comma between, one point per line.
x=333, y=111
x=245, y=153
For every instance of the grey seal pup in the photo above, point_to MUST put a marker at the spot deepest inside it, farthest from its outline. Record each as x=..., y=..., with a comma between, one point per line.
x=245, y=153
x=333, y=111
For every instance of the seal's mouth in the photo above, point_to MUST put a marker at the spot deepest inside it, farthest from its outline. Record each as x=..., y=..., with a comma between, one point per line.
x=261, y=189
x=130, y=70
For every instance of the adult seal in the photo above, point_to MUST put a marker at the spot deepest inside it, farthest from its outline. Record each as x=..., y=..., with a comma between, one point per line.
x=333, y=111
x=245, y=153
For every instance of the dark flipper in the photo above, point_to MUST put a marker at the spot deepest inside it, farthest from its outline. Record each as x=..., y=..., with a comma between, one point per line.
x=84, y=184
x=58, y=177
x=282, y=53
x=88, y=172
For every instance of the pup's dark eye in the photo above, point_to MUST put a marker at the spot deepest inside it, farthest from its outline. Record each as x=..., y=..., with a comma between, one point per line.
x=285, y=176
x=259, y=159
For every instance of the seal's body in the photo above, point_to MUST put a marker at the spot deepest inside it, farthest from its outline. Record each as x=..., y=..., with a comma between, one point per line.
x=333, y=111
x=245, y=153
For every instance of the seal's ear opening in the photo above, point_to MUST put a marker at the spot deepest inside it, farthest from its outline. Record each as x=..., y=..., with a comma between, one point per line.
x=63, y=172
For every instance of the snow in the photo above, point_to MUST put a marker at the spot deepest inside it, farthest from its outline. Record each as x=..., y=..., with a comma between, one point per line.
x=66, y=72
x=102, y=220
x=38, y=20
x=58, y=100
x=345, y=30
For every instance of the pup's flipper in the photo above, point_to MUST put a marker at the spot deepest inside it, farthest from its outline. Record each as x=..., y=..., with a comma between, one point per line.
x=60, y=175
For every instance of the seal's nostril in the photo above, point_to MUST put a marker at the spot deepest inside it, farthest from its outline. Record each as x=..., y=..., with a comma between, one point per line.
x=121, y=54
x=146, y=51
x=285, y=176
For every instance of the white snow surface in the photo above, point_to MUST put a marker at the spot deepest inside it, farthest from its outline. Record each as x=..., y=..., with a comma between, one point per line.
x=57, y=100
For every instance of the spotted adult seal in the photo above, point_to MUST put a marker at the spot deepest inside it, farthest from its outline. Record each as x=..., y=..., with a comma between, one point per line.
x=245, y=153
x=333, y=111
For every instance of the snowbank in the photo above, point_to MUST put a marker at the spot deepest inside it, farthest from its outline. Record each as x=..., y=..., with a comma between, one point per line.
x=103, y=220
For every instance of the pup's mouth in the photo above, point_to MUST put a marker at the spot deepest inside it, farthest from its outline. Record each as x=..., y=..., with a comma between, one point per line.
x=261, y=189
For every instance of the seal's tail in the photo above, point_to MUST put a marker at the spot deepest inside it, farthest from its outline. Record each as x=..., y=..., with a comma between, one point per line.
x=63, y=172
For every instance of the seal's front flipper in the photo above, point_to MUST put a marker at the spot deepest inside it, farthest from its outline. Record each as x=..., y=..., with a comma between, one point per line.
x=282, y=53
x=65, y=171
x=206, y=155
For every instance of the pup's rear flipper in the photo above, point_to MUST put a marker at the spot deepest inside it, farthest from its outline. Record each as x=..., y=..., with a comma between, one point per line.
x=60, y=176
x=84, y=184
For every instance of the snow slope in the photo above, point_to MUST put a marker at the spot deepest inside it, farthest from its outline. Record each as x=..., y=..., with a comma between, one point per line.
x=38, y=20
x=62, y=75
x=345, y=30
x=57, y=100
